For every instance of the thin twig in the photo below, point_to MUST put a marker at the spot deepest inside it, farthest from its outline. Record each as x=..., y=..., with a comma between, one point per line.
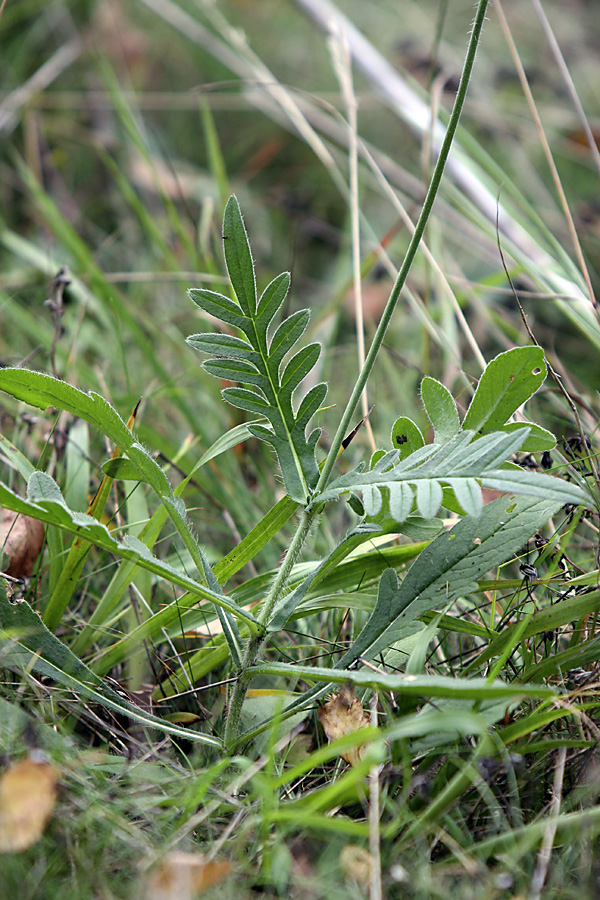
x=564, y=70
x=64, y=57
x=375, y=889
x=343, y=69
x=545, y=852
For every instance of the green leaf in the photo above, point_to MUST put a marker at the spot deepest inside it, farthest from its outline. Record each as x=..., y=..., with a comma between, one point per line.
x=272, y=298
x=464, y=462
x=46, y=503
x=233, y=370
x=448, y=568
x=468, y=493
x=44, y=391
x=216, y=305
x=401, y=501
x=221, y=345
x=288, y=333
x=507, y=382
x=372, y=500
x=299, y=366
x=535, y=484
x=539, y=438
x=429, y=498
x=121, y=468
x=249, y=400
x=258, y=362
x=433, y=686
x=239, y=258
x=36, y=648
x=441, y=409
x=406, y=437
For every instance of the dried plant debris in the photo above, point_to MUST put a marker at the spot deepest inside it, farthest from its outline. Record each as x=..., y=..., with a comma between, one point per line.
x=28, y=792
x=21, y=542
x=181, y=876
x=343, y=715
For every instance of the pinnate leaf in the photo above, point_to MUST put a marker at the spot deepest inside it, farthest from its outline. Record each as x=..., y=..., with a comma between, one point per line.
x=257, y=362
x=462, y=464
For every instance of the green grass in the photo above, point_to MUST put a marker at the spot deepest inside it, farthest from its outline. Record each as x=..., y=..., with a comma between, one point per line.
x=119, y=167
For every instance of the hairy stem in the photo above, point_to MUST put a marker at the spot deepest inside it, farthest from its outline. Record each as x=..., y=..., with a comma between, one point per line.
x=255, y=642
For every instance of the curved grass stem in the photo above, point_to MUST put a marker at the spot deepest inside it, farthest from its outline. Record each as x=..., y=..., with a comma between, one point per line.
x=432, y=191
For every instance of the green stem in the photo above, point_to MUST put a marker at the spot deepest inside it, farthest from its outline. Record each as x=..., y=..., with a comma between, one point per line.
x=432, y=191
x=285, y=570
x=255, y=642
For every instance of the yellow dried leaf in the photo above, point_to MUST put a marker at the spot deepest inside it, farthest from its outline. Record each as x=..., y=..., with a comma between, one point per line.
x=356, y=863
x=181, y=876
x=342, y=715
x=27, y=800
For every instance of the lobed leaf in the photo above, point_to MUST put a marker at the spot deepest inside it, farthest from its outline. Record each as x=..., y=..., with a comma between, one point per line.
x=465, y=463
x=266, y=383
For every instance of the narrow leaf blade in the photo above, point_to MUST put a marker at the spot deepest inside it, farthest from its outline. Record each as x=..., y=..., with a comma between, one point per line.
x=239, y=257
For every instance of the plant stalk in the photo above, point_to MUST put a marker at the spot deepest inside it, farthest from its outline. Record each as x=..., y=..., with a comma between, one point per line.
x=255, y=642
x=432, y=191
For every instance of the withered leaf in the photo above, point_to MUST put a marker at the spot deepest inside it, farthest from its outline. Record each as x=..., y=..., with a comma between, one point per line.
x=342, y=715
x=181, y=876
x=356, y=863
x=27, y=800
x=21, y=540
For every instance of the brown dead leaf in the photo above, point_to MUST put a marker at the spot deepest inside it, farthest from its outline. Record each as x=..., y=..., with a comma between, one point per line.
x=342, y=715
x=27, y=800
x=356, y=863
x=21, y=540
x=181, y=876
